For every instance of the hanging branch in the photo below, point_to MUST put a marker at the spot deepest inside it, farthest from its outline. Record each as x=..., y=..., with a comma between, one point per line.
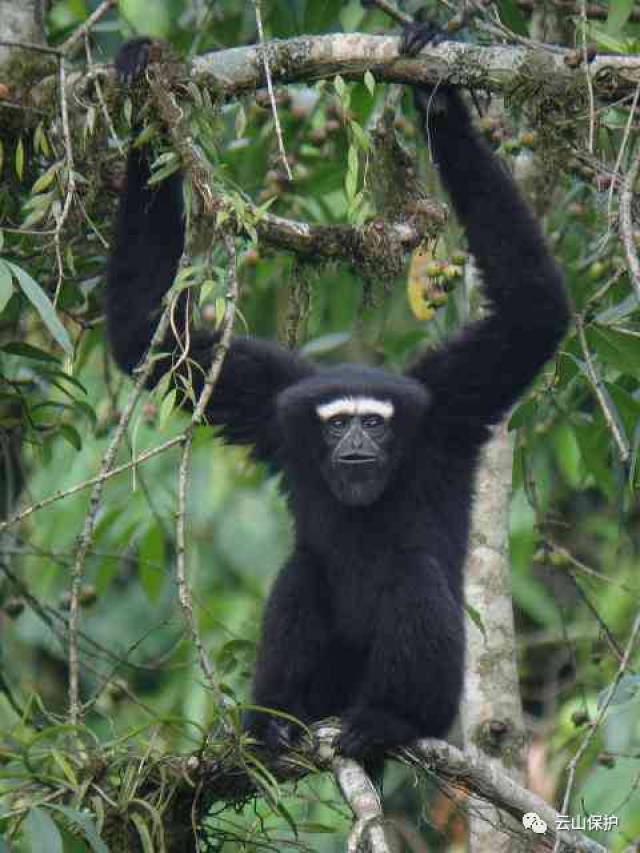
x=597, y=722
x=86, y=537
x=211, y=378
x=274, y=108
x=608, y=411
x=626, y=223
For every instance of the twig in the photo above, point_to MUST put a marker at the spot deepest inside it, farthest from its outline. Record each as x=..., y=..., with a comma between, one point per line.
x=614, y=645
x=211, y=378
x=602, y=396
x=103, y=104
x=29, y=45
x=623, y=146
x=587, y=570
x=392, y=11
x=267, y=74
x=626, y=224
x=13, y=703
x=585, y=62
x=83, y=30
x=484, y=779
x=84, y=543
x=71, y=178
x=573, y=764
x=85, y=484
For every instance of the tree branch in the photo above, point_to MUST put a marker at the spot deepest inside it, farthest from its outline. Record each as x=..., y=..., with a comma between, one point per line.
x=240, y=69
x=229, y=781
x=486, y=781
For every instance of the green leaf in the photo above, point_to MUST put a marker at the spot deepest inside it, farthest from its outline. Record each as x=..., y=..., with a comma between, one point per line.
x=325, y=343
x=475, y=617
x=153, y=19
x=19, y=159
x=627, y=690
x=619, y=11
x=42, y=832
x=350, y=184
x=286, y=814
x=44, y=181
x=167, y=407
x=3, y=846
x=86, y=825
x=28, y=351
x=6, y=285
x=71, y=435
x=145, y=136
x=618, y=312
x=352, y=160
x=370, y=82
x=512, y=17
x=151, y=563
x=608, y=42
x=567, y=454
x=163, y=173
x=240, y=122
x=40, y=301
x=616, y=348
x=143, y=832
x=360, y=136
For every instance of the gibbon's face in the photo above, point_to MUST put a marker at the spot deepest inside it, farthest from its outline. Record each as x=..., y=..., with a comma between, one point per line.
x=357, y=434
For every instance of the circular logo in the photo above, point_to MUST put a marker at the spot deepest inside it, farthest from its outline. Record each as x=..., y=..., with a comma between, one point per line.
x=534, y=822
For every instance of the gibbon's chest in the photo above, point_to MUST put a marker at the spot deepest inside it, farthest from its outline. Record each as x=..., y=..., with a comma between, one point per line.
x=362, y=587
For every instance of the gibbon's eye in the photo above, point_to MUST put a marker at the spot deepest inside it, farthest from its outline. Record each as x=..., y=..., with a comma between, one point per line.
x=338, y=423
x=372, y=421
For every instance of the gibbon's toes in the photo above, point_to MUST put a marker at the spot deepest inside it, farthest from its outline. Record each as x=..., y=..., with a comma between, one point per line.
x=355, y=742
x=280, y=735
x=416, y=35
x=132, y=60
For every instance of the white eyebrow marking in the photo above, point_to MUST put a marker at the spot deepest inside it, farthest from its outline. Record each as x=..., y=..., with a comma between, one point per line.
x=355, y=406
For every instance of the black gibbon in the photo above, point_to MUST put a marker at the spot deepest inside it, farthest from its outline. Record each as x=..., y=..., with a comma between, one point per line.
x=365, y=620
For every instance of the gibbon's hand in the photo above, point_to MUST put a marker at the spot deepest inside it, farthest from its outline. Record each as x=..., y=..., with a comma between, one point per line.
x=132, y=59
x=430, y=100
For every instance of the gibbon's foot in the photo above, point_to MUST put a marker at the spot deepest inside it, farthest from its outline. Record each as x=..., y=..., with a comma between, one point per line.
x=274, y=733
x=132, y=60
x=368, y=732
x=281, y=735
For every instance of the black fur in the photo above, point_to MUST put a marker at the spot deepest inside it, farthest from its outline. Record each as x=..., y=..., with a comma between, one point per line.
x=366, y=619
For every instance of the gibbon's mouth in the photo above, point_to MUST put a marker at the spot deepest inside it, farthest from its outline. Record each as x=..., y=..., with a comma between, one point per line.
x=358, y=459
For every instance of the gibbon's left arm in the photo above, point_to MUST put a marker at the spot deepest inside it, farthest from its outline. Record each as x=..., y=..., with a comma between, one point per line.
x=477, y=376
x=147, y=244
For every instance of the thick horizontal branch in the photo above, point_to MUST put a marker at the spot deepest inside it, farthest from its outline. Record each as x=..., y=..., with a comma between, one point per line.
x=307, y=58
x=241, y=69
x=351, y=244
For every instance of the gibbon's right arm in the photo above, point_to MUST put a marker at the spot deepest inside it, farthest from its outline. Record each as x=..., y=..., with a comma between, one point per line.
x=148, y=241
